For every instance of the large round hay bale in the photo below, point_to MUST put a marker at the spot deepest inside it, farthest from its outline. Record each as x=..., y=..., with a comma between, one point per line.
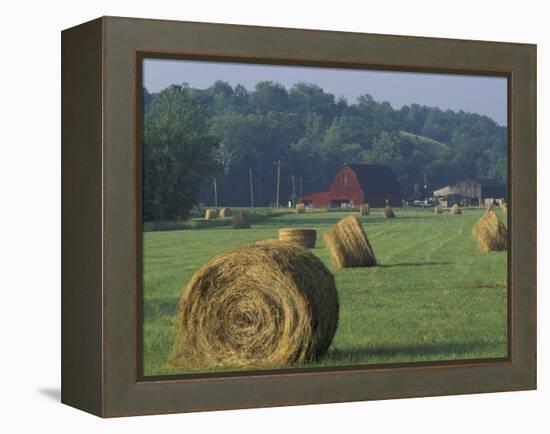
x=388, y=212
x=240, y=220
x=210, y=214
x=267, y=304
x=438, y=209
x=300, y=208
x=364, y=209
x=490, y=233
x=455, y=209
x=225, y=212
x=303, y=237
x=349, y=245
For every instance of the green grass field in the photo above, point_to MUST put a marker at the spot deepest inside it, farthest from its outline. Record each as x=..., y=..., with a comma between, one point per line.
x=433, y=297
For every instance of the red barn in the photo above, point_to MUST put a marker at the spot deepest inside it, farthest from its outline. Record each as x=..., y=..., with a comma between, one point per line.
x=355, y=184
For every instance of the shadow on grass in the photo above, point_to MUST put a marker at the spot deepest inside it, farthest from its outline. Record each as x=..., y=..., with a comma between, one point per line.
x=329, y=220
x=452, y=349
x=414, y=264
x=159, y=308
x=278, y=222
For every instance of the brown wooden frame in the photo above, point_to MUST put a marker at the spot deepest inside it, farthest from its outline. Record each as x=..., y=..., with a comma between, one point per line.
x=101, y=222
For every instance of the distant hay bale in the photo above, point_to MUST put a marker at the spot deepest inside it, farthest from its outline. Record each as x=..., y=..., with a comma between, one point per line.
x=490, y=233
x=504, y=207
x=364, y=209
x=210, y=214
x=349, y=245
x=388, y=212
x=303, y=237
x=240, y=220
x=455, y=209
x=438, y=209
x=300, y=208
x=225, y=212
x=268, y=304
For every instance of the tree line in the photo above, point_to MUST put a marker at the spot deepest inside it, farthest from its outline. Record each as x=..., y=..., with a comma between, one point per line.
x=237, y=137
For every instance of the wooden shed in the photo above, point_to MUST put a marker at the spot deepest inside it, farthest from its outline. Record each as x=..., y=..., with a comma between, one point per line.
x=355, y=184
x=471, y=192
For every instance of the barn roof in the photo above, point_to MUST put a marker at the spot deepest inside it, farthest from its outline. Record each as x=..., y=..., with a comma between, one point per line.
x=373, y=177
x=484, y=182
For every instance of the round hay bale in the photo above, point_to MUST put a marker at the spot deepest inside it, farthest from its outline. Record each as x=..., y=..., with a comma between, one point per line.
x=240, y=220
x=490, y=233
x=364, y=209
x=210, y=214
x=438, y=209
x=455, y=209
x=303, y=237
x=300, y=208
x=388, y=212
x=225, y=212
x=349, y=245
x=263, y=305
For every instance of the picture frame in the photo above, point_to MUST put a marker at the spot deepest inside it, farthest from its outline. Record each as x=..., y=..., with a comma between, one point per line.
x=102, y=227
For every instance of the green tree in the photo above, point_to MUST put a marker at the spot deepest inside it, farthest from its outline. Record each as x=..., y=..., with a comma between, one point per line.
x=269, y=96
x=308, y=98
x=387, y=149
x=177, y=154
x=235, y=133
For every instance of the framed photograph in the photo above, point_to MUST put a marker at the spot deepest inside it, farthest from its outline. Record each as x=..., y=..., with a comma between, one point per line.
x=261, y=216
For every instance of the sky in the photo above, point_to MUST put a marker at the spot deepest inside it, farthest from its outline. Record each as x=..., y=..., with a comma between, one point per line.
x=478, y=94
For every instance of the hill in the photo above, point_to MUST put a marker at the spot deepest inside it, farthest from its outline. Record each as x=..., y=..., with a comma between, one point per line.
x=417, y=139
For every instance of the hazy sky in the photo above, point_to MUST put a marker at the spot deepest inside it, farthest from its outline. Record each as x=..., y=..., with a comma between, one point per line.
x=478, y=94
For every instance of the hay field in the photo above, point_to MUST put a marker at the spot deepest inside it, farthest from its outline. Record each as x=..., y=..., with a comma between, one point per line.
x=434, y=295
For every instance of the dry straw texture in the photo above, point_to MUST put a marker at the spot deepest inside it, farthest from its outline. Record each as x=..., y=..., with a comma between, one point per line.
x=225, y=212
x=504, y=207
x=388, y=212
x=490, y=207
x=438, y=209
x=268, y=304
x=349, y=245
x=364, y=209
x=240, y=221
x=300, y=208
x=455, y=209
x=210, y=214
x=302, y=237
x=490, y=233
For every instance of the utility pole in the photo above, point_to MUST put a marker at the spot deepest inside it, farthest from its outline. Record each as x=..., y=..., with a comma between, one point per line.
x=278, y=163
x=260, y=202
x=251, y=189
x=215, y=193
x=293, y=185
x=301, y=193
